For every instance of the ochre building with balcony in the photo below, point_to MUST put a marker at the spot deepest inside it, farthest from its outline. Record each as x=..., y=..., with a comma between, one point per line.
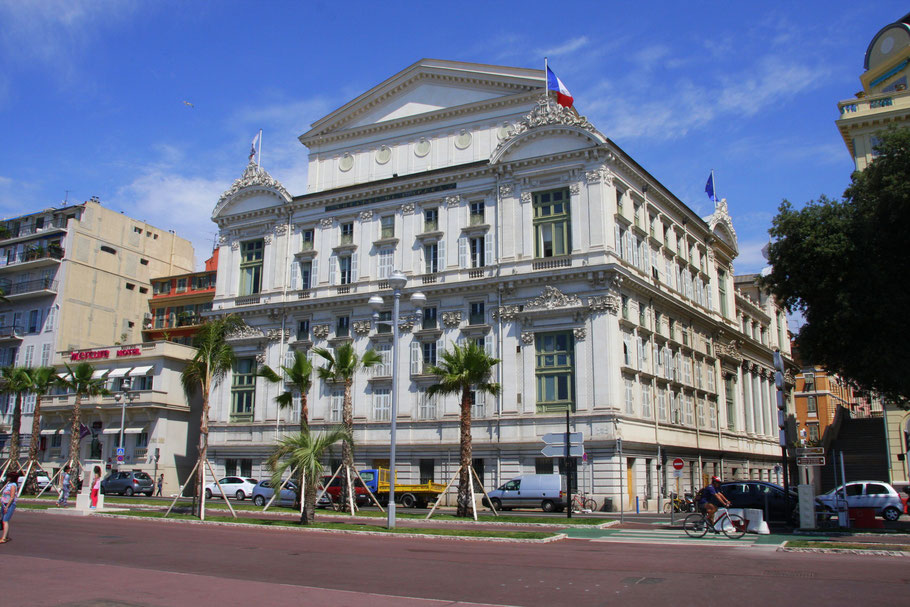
x=178, y=304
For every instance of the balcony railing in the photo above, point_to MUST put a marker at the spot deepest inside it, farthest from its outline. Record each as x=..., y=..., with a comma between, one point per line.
x=429, y=278
x=9, y=331
x=31, y=255
x=553, y=262
x=29, y=286
x=248, y=300
x=32, y=227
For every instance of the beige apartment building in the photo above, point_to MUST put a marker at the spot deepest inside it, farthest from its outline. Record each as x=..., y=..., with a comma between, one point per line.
x=76, y=277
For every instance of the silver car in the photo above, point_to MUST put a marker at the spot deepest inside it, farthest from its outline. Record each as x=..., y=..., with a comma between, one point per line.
x=865, y=494
x=263, y=492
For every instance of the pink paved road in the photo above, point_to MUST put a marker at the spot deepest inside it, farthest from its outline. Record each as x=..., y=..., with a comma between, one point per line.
x=65, y=560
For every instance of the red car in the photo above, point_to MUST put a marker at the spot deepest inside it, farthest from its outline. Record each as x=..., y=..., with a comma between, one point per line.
x=334, y=490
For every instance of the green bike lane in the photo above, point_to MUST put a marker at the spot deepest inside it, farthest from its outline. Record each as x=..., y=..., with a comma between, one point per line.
x=671, y=536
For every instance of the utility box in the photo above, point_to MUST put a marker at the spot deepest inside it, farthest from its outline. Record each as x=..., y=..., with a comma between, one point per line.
x=806, y=495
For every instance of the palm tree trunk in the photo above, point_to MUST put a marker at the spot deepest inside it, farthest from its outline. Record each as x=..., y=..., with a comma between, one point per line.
x=203, y=450
x=309, y=507
x=465, y=505
x=304, y=424
x=17, y=427
x=347, y=452
x=31, y=483
x=75, y=431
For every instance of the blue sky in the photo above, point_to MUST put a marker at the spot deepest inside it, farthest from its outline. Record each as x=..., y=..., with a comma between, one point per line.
x=92, y=92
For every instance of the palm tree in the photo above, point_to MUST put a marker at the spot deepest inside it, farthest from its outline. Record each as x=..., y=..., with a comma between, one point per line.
x=304, y=451
x=79, y=380
x=42, y=380
x=15, y=380
x=298, y=378
x=341, y=367
x=462, y=370
x=213, y=359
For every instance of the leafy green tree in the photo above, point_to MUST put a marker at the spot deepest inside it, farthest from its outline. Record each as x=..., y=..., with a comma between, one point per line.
x=298, y=378
x=16, y=381
x=841, y=263
x=462, y=370
x=213, y=359
x=341, y=367
x=42, y=380
x=304, y=451
x=79, y=380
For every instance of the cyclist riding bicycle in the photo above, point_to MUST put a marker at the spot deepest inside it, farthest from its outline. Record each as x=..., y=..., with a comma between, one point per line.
x=711, y=499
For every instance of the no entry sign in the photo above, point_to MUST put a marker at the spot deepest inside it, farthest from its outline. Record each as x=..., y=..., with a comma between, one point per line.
x=678, y=463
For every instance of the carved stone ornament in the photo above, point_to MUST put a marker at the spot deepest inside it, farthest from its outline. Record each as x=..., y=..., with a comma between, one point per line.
x=526, y=197
x=254, y=176
x=407, y=208
x=326, y=222
x=267, y=239
x=453, y=201
x=366, y=215
x=451, y=319
x=362, y=327
x=405, y=324
x=788, y=377
x=281, y=229
x=321, y=331
x=552, y=298
x=260, y=358
x=600, y=174
x=615, y=282
x=506, y=313
x=527, y=338
x=235, y=245
x=222, y=239
x=580, y=333
x=548, y=113
x=574, y=189
x=276, y=335
x=604, y=303
x=246, y=332
x=506, y=189
x=730, y=350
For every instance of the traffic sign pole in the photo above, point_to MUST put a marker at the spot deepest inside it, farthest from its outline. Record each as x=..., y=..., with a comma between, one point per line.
x=568, y=470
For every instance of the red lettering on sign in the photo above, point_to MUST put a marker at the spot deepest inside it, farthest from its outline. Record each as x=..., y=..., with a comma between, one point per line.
x=129, y=352
x=91, y=354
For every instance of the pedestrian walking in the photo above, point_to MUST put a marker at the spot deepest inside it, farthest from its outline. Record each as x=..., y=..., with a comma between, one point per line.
x=64, y=487
x=96, y=486
x=160, y=485
x=8, y=496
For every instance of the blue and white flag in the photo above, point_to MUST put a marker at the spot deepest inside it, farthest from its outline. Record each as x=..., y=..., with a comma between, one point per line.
x=709, y=187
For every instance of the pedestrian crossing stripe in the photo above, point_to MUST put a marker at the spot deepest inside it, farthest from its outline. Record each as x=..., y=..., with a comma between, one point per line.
x=662, y=536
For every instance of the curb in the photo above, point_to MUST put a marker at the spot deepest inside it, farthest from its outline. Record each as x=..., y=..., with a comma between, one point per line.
x=846, y=551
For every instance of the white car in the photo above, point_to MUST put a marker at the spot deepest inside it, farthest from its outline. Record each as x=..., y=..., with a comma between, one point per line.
x=238, y=487
x=865, y=494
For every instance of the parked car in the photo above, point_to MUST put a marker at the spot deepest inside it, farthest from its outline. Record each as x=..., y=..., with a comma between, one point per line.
x=128, y=483
x=42, y=479
x=767, y=497
x=263, y=492
x=240, y=488
x=865, y=494
x=334, y=490
x=544, y=491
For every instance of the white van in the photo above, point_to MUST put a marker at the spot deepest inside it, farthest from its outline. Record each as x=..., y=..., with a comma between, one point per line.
x=545, y=491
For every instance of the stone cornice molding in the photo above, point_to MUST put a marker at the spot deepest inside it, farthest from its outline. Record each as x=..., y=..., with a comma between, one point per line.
x=729, y=350
x=254, y=180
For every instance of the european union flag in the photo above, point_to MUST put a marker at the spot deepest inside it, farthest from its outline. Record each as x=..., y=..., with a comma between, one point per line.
x=709, y=187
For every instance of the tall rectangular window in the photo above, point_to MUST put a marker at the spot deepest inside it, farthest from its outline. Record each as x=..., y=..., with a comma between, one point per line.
x=303, y=329
x=343, y=326
x=809, y=382
x=477, y=213
x=384, y=325
x=700, y=411
x=308, y=239
x=250, y=267
x=555, y=371
x=689, y=409
x=431, y=258
x=426, y=404
x=429, y=353
x=646, y=400
x=552, y=223
x=387, y=226
x=243, y=390
x=662, y=404
x=477, y=251
x=384, y=369
x=429, y=318
x=347, y=233
x=336, y=405
x=344, y=270
x=382, y=404
x=181, y=285
x=45, y=355
x=811, y=404
x=430, y=220
x=722, y=291
x=630, y=396
x=478, y=404
x=731, y=402
x=385, y=263
x=29, y=355
x=34, y=321
x=477, y=314
x=306, y=274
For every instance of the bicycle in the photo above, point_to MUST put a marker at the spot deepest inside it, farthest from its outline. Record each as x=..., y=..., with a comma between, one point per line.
x=678, y=504
x=582, y=503
x=697, y=525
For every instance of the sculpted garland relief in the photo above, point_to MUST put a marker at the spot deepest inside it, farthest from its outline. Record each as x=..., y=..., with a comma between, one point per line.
x=452, y=319
x=321, y=331
x=362, y=327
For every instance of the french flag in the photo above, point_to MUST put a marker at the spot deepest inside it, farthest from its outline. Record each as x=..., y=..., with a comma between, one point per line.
x=563, y=96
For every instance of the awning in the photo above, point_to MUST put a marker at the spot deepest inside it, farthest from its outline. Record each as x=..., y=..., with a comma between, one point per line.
x=139, y=371
x=119, y=372
x=129, y=429
x=99, y=373
x=52, y=431
x=65, y=376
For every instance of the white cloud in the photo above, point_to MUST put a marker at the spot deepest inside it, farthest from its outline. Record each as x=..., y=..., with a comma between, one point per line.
x=750, y=257
x=567, y=47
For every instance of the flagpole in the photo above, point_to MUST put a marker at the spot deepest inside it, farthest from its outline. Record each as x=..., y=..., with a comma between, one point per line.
x=546, y=81
x=714, y=183
x=259, y=163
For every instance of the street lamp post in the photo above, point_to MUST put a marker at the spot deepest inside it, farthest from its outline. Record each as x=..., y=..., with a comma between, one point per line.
x=122, y=397
x=397, y=280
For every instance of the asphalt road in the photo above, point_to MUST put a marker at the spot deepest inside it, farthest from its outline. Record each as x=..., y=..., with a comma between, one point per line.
x=59, y=559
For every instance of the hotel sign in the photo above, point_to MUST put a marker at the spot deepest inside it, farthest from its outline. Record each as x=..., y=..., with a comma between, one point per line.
x=104, y=353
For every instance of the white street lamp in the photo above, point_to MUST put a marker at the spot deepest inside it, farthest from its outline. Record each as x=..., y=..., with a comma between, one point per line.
x=122, y=397
x=397, y=280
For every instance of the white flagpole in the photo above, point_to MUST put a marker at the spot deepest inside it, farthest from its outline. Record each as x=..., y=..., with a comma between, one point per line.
x=546, y=81
x=259, y=163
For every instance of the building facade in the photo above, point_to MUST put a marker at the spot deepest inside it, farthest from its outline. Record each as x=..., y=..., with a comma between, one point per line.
x=178, y=303
x=884, y=99
x=816, y=397
x=77, y=277
x=161, y=426
x=529, y=232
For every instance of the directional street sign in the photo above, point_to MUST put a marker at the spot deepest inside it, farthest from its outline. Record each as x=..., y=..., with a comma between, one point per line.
x=559, y=438
x=810, y=460
x=810, y=451
x=560, y=450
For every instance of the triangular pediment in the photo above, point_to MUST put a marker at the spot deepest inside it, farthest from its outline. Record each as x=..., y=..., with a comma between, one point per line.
x=428, y=86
